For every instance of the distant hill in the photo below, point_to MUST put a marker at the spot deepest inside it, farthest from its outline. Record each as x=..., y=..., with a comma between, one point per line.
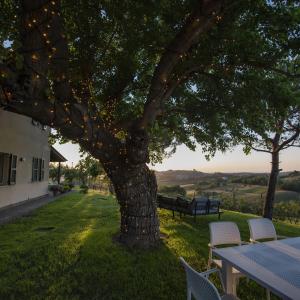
x=181, y=177
x=173, y=177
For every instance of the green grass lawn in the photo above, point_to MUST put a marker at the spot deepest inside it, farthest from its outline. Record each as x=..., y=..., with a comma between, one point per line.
x=65, y=251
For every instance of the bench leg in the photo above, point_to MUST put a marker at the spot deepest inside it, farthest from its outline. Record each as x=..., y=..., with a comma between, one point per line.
x=173, y=214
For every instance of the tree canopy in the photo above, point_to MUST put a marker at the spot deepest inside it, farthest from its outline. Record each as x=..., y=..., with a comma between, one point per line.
x=116, y=49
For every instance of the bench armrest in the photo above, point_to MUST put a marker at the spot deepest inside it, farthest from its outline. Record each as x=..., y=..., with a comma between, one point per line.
x=209, y=272
x=212, y=271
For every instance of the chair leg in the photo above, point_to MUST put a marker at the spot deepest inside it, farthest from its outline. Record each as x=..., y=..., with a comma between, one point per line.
x=209, y=259
x=189, y=294
x=268, y=294
x=235, y=283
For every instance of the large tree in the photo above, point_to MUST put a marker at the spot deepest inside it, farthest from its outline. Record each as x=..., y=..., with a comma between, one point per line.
x=126, y=79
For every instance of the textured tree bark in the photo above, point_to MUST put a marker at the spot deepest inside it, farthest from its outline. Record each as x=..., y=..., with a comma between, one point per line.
x=270, y=197
x=136, y=190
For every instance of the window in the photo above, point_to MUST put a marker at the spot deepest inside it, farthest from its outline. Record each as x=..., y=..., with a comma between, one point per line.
x=38, y=169
x=35, y=169
x=13, y=169
x=8, y=169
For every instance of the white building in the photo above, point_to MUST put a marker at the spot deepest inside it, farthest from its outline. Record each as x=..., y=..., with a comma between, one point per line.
x=24, y=159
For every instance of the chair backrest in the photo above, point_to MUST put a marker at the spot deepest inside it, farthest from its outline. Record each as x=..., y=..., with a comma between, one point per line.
x=200, y=287
x=261, y=228
x=224, y=233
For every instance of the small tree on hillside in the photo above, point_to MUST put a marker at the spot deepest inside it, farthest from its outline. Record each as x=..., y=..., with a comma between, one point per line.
x=284, y=132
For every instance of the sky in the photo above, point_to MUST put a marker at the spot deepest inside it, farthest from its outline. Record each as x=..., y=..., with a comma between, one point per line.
x=233, y=161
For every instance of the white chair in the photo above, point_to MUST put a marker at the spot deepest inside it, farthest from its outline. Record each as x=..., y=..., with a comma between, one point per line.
x=200, y=287
x=222, y=234
x=262, y=228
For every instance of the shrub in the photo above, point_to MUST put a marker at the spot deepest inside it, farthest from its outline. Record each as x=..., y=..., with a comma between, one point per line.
x=291, y=185
x=84, y=189
x=174, y=190
x=55, y=189
x=65, y=188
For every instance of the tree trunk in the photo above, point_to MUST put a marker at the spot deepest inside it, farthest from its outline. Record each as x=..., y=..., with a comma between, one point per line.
x=270, y=197
x=136, y=190
x=58, y=173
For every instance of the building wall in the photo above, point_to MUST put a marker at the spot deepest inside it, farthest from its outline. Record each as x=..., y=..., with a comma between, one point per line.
x=20, y=137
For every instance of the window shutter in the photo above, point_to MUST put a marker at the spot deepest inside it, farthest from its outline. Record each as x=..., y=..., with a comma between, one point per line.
x=13, y=169
x=4, y=168
x=43, y=170
x=40, y=169
x=32, y=170
x=1, y=168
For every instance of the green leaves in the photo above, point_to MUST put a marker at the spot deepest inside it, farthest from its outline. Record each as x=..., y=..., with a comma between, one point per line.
x=240, y=66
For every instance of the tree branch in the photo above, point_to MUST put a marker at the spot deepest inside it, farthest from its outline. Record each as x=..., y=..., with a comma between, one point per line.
x=202, y=19
x=261, y=150
x=286, y=142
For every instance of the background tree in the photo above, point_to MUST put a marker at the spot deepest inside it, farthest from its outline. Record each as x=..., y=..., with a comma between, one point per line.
x=128, y=79
x=173, y=190
x=88, y=168
x=54, y=172
x=283, y=133
x=70, y=174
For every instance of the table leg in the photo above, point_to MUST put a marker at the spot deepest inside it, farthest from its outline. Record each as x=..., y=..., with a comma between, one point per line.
x=228, y=278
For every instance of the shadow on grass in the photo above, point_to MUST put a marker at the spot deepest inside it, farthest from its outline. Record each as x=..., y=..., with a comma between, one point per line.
x=77, y=259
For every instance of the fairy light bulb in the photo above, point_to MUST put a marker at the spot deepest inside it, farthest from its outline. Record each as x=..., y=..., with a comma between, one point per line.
x=34, y=56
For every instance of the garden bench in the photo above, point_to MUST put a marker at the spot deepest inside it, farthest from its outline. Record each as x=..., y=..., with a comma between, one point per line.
x=196, y=207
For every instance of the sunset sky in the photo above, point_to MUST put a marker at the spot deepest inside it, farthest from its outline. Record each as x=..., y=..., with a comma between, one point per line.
x=234, y=161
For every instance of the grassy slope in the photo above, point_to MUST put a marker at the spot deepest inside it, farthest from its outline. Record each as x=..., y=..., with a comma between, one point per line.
x=65, y=251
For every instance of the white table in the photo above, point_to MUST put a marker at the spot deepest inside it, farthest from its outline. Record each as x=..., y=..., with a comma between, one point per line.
x=274, y=265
